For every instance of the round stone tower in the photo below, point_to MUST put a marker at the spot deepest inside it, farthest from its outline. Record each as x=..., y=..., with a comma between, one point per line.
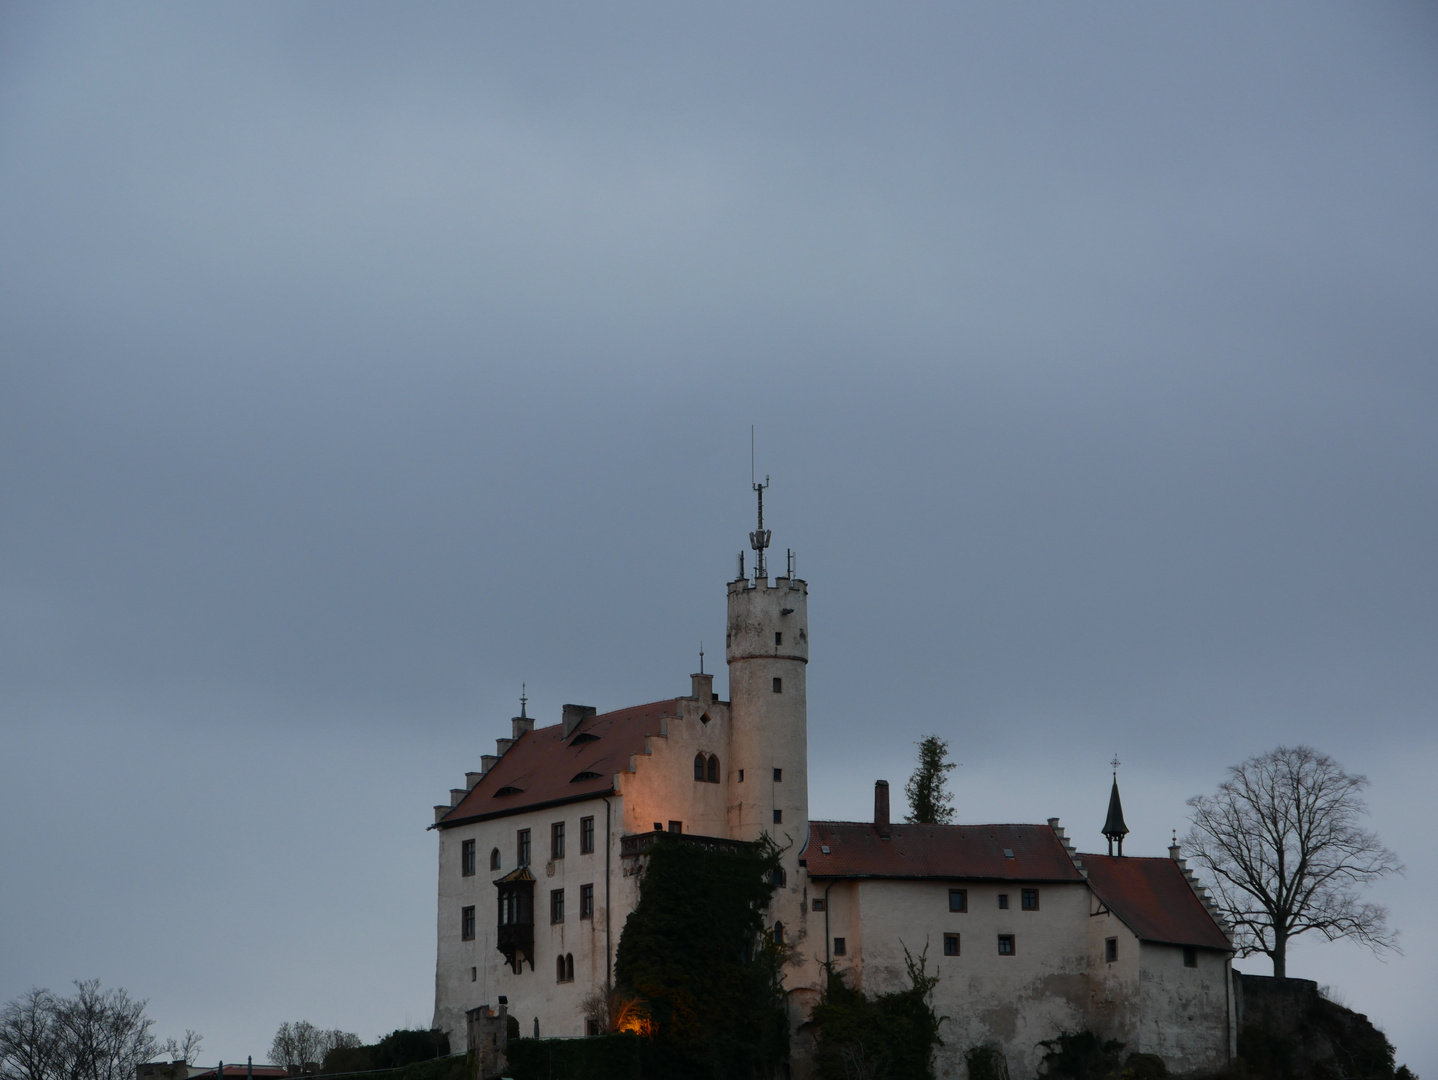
x=767, y=648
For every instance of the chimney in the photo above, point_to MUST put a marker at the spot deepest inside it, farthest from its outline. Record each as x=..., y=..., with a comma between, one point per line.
x=881, y=802
x=521, y=725
x=703, y=688
x=574, y=715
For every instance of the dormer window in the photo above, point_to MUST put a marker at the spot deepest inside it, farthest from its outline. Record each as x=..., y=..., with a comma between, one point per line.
x=587, y=774
x=582, y=738
x=508, y=789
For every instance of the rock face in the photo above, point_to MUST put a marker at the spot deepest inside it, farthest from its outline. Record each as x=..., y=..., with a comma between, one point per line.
x=1288, y=1031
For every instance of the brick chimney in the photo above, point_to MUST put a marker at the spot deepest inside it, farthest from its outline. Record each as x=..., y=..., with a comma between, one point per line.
x=574, y=715
x=881, y=803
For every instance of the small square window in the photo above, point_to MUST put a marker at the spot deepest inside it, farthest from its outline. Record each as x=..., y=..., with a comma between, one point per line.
x=778, y=685
x=586, y=901
x=838, y=946
x=592, y=1028
x=676, y=826
x=816, y=904
x=1006, y=944
x=1003, y=901
x=1030, y=899
x=1110, y=949
x=778, y=817
x=1190, y=956
x=466, y=923
x=466, y=858
x=556, y=840
x=958, y=899
x=778, y=776
x=951, y=944
x=556, y=905
x=586, y=836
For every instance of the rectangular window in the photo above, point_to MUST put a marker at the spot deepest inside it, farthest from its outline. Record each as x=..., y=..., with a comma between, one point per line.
x=817, y=904
x=1110, y=949
x=951, y=944
x=474, y=974
x=592, y=1028
x=838, y=946
x=1190, y=956
x=586, y=836
x=523, y=847
x=676, y=826
x=466, y=923
x=741, y=776
x=1031, y=899
x=778, y=776
x=1006, y=944
x=958, y=899
x=778, y=637
x=556, y=905
x=556, y=840
x=586, y=901
x=778, y=817
x=778, y=685
x=466, y=858
x=1003, y=901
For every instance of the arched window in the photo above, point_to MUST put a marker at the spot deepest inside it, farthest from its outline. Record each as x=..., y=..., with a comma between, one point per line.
x=569, y=967
x=714, y=768
x=778, y=933
x=699, y=766
x=494, y=859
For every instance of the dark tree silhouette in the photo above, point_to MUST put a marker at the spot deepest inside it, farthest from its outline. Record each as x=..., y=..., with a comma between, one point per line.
x=926, y=790
x=1284, y=850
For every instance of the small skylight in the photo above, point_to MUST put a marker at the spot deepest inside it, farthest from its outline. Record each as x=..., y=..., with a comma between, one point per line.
x=582, y=738
x=1008, y=853
x=508, y=789
x=587, y=774
x=824, y=848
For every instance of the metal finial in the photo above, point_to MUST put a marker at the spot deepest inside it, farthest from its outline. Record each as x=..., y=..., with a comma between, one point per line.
x=523, y=701
x=1115, y=763
x=701, y=658
x=759, y=538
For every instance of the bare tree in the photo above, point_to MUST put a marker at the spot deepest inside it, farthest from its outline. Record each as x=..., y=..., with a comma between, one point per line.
x=30, y=1038
x=95, y=1035
x=301, y=1043
x=186, y=1050
x=1283, y=846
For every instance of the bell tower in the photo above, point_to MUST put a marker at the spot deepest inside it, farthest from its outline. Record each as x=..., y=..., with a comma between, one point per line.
x=767, y=648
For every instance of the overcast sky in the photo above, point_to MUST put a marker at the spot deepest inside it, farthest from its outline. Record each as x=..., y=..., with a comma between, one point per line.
x=360, y=363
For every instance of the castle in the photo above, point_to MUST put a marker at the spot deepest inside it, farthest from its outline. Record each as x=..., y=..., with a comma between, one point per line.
x=540, y=856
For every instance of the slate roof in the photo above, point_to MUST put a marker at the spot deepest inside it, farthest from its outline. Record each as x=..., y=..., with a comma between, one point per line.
x=857, y=849
x=1154, y=900
x=543, y=768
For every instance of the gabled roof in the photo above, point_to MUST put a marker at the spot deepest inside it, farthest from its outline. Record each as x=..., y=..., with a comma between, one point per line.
x=543, y=767
x=860, y=849
x=1154, y=900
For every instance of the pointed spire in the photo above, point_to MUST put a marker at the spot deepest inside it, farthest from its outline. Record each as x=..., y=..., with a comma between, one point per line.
x=523, y=701
x=1113, y=827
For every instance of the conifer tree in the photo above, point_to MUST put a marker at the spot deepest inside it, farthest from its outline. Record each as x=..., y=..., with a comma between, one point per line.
x=926, y=790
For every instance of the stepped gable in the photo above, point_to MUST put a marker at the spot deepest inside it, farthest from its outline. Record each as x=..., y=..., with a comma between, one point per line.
x=543, y=768
x=1154, y=900
x=858, y=849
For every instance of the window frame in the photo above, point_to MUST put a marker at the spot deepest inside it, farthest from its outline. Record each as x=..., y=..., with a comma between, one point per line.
x=586, y=901
x=556, y=907
x=1003, y=901
x=523, y=847
x=778, y=685
x=840, y=947
x=778, y=816
x=1025, y=895
x=467, y=858
x=1110, y=950
x=556, y=841
x=1190, y=956
x=951, y=939
x=778, y=776
x=494, y=858
x=466, y=923
x=586, y=835
x=962, y=896
x=1011, y=941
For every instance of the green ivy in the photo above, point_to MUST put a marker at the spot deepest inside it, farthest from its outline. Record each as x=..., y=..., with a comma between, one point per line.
x=695, y=950
x=888, y=1037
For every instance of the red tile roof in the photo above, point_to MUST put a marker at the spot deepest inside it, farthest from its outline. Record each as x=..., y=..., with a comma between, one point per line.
x=542, y=767
x=1154, y=900
x=856, y=849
